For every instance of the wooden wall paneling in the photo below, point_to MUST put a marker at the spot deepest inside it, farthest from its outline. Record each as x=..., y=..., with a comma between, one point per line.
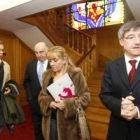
x=108, y=43
x=26, y=55
x=16, y=59
x=9, y=44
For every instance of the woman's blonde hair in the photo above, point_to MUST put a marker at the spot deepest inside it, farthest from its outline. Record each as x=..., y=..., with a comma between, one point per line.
x=62, y=53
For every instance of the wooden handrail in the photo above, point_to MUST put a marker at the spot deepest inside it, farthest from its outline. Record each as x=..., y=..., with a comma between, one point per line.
x=78, y=30
x=85, y=55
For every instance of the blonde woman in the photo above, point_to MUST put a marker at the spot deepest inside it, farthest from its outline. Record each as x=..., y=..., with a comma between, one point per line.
x=59, y=118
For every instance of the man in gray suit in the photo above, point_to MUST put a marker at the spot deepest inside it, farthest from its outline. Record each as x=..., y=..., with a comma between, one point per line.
x=32, y=84
x=120, y=90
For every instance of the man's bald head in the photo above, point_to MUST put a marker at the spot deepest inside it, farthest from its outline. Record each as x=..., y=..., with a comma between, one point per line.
x=40, y=51
x=41, y=45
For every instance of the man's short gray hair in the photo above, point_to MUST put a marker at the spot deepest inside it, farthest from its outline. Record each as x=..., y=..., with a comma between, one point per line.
x=135, y=25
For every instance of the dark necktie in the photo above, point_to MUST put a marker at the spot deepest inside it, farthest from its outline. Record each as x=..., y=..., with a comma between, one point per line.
x=132, y=71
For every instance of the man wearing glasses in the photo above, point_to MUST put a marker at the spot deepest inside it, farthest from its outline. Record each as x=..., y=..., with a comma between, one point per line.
x=120, y=90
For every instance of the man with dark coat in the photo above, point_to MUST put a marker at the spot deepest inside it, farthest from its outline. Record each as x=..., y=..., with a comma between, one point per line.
x=32, y=84
x=120, y=90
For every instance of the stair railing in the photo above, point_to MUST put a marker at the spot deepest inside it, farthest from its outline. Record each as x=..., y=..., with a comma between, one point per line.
x=75, y=39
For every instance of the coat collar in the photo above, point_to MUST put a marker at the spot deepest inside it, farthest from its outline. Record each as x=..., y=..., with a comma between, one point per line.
x=137, y=76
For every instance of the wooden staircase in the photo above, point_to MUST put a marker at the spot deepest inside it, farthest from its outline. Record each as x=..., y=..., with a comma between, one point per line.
x=59, y=33
x=97, y=114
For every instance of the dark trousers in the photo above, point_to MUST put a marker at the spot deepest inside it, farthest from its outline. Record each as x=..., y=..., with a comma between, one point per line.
x=2, y=122
x=37, y=122
x=37, y=118
x=53, y=130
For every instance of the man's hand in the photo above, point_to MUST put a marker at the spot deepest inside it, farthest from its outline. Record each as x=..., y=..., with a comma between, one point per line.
x=129, y=115
x=127, y=103
x=7, y=91
x=128, y=109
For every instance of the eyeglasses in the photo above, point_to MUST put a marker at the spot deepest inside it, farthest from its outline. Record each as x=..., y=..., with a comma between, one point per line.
x=132, y=37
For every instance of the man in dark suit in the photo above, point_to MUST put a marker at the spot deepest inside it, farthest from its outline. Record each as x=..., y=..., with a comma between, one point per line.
x=32, y=84
x=120, y=90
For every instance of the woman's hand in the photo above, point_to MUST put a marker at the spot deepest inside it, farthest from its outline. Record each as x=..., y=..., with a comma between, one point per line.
x=60, y=105
x=7, y=91
x=57, y=104
x=53, y=105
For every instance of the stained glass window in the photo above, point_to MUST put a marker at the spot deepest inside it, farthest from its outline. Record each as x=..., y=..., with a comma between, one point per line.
x=95, y=14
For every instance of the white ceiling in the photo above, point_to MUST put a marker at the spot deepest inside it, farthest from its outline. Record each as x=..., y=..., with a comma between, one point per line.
x=32, y=35
x=8, y=18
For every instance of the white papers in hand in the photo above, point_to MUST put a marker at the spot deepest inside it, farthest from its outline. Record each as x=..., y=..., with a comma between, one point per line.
x=62, y=88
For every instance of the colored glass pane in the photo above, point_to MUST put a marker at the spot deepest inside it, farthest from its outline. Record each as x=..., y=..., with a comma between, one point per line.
x=97, y=14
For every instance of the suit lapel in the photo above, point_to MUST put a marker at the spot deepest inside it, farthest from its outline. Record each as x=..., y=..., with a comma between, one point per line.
x=121, y=68
x=35, y=70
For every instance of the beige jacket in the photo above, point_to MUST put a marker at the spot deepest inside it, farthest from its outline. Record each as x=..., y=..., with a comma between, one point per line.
x=7, y=76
